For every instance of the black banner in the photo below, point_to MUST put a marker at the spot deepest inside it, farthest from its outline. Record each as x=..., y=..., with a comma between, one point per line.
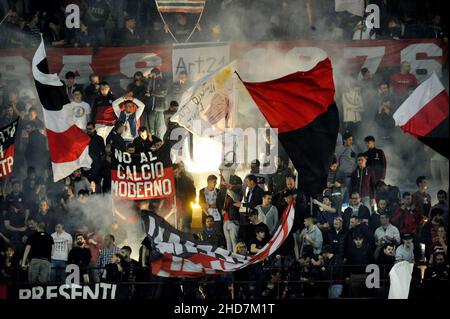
x=7, y=136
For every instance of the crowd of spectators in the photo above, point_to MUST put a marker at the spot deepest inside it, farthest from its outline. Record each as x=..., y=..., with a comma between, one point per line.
x=137, y=22
x=359, y=219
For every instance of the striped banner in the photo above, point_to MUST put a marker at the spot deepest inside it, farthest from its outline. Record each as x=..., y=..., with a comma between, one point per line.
x=184, y=6
x=181, y=256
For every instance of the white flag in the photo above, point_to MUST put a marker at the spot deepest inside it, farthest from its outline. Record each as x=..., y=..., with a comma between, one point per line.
x=355, y=7
x=400, y=277
x=210, y=101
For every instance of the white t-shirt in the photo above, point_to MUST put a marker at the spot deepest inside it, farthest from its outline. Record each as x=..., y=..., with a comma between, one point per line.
x=79, y=112
x=62, y=243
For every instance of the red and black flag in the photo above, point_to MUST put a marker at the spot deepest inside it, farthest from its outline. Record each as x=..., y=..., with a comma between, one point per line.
x=7, y=137
x=67, y=143
x=424, y=114
x=301, y=106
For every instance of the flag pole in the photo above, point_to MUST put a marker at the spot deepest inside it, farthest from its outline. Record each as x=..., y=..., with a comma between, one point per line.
x=198, y=21
x=164, y=21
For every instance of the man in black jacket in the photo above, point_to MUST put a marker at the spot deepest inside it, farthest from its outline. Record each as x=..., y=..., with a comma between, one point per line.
x=80, y=255
x=375, y=158
x=97, y=151
x=337, y=237
x=129, y=36
x=212, y=235
x=115, y=137
x=252, y=199
x=334, y=268
x=93, y=89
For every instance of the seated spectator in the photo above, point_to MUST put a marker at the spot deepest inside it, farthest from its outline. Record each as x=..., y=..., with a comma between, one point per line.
x=80, y=255
x=268, y=213
x=405, y=252
x=212, y=235
x=38, y=249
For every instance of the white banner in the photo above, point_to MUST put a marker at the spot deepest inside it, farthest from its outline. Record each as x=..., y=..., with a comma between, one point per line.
x=209, y=103
x=198, y=60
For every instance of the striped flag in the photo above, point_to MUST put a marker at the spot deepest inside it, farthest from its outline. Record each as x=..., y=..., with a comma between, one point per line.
x=185, y=6
x=424, y=114
x=181, y=256
x=68, y=144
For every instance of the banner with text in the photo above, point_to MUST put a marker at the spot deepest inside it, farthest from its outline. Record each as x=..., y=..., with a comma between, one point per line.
x=117, y=65
x=7, y=136
x=145, y=175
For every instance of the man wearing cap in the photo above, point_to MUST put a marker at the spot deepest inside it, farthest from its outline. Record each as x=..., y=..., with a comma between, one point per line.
x=155, y=102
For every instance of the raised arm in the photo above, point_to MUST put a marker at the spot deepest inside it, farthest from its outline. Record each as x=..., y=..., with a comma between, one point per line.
x=116, y=105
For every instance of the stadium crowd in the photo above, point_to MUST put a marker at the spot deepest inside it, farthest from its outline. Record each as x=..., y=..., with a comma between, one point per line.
x=137, y=22
x=359, y=219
